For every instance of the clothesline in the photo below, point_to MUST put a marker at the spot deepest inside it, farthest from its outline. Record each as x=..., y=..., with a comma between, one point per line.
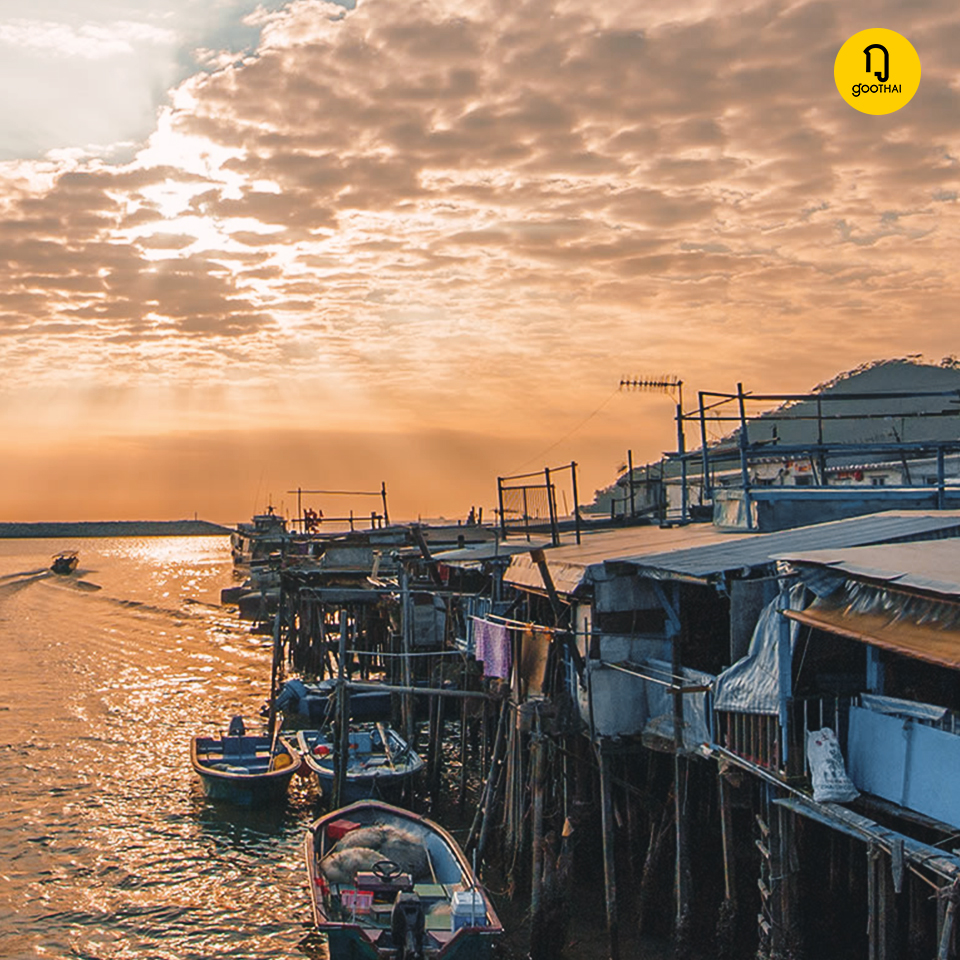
x=524, y=625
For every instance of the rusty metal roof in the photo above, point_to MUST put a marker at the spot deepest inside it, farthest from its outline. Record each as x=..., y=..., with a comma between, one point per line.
x=702, y=552
x=753, y=550
x=931, y=566
x=922, y=641
x=569, y=563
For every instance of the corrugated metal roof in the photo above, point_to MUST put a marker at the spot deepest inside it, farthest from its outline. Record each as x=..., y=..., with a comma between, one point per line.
x=701, y=551
x=486, y=551
x=922, y=641
x=930, y=566
x=752, y=550
x=568, y=563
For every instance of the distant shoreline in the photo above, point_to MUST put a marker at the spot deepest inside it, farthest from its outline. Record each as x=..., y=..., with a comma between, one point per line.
x=112, y=528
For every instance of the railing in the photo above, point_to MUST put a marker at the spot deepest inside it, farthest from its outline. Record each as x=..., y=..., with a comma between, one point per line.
x=753, y=736
x=758, y=737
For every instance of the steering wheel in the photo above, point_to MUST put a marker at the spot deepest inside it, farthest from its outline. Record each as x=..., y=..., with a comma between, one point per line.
x=387, y=870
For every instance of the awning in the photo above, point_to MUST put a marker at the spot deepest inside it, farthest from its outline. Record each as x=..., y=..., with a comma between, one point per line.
x=921, y=641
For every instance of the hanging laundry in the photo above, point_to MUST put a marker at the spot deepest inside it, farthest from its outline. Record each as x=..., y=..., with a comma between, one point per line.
x=492, y=648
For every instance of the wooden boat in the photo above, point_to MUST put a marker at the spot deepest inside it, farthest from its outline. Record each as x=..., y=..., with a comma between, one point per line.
x=388, y=883
x=248, y=770
x=380, y=762
x=65, y=562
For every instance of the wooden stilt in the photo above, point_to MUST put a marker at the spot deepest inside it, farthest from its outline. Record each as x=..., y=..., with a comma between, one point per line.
x=537, y=765
x=464, y=762
x=485, y=807
x=726, y=836
x=341, y=753
x=609, y=868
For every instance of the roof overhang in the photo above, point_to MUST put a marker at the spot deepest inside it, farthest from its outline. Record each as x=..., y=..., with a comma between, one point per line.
x=919, y=641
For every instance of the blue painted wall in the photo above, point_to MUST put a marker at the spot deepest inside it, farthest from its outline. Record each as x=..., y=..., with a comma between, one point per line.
x=905, y=762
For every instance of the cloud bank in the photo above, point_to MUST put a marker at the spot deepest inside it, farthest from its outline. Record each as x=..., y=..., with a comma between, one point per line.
x=429, y=216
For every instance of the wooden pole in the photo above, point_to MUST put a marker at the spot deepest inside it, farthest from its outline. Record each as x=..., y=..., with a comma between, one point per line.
x=609, y=869
x=276, y=667
x=726, y=834
x=682, y=874
x=537, y=765
x=485, y=807
x=576, y=499
x=407, y=637
x=342, y=741
x=744, y=468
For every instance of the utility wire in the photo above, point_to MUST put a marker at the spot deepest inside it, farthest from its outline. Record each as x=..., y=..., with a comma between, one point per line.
x=566, y=436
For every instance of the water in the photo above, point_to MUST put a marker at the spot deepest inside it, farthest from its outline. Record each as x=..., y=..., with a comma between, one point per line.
x=108, y=848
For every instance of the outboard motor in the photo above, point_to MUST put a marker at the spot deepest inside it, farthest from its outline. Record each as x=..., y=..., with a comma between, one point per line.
x=236, y=729
x=290, y=695
x=407, y=925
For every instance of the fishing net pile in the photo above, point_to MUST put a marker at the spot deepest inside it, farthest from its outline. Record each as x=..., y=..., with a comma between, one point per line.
x=360, y=849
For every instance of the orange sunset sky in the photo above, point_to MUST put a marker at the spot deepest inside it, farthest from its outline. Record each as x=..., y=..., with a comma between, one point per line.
x=253, y=247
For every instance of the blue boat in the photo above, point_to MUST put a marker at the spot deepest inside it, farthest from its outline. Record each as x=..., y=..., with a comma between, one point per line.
x=245, y=769
x=380, y=763
x=387, y=883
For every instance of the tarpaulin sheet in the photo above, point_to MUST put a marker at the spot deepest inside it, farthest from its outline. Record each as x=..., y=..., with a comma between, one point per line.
x=752, y=684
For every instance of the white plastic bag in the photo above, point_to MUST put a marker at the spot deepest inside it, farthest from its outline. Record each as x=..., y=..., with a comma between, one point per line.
x=830, y=780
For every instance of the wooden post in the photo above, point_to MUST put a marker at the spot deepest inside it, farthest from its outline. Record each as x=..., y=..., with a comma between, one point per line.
x=682, y=875
x=436, y=748
x=485, y=807
x=682, y=450
x=407, y=638
x=276, y=669
x=705, y=450
x=462, y=790
x=609, y=867
x=947, y=906
x=537, y=752
x=342, y=741
x=729, y=847
x=576, y=500
x=744, y=468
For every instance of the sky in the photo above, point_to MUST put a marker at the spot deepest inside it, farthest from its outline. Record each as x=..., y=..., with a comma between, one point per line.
x=250, y=247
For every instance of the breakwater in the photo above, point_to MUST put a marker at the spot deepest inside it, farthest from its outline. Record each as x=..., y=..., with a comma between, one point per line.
x=112, y=528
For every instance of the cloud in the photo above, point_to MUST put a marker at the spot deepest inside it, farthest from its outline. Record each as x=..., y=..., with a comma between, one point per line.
x=86, y=41
x=446, y=213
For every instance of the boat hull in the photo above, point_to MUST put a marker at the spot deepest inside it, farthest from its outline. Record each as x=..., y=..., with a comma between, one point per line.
x=349, y=943
x=238, y=770
x=368, y=776
x=65, y=563
x=448, y=935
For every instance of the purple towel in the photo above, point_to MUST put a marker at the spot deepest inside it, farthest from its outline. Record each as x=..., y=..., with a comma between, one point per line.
x=492, y=647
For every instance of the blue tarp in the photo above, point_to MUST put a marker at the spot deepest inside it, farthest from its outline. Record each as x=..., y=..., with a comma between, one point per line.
x=752, y=684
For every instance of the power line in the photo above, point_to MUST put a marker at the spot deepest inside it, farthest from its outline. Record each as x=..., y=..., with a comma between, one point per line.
x=567, y=436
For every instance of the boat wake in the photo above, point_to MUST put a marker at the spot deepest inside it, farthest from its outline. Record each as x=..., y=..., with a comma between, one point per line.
x=46, y=571
x=12, y=586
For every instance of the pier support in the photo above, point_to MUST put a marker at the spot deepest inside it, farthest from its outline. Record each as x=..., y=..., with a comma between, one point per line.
x=609, y=847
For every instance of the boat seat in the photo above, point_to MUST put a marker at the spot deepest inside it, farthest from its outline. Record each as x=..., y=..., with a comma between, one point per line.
x=233, y=746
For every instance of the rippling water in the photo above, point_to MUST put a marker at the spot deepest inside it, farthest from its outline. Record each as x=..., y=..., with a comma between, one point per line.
x=108, y=848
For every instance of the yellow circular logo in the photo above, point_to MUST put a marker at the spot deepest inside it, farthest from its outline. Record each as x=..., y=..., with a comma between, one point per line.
x=877, y=71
